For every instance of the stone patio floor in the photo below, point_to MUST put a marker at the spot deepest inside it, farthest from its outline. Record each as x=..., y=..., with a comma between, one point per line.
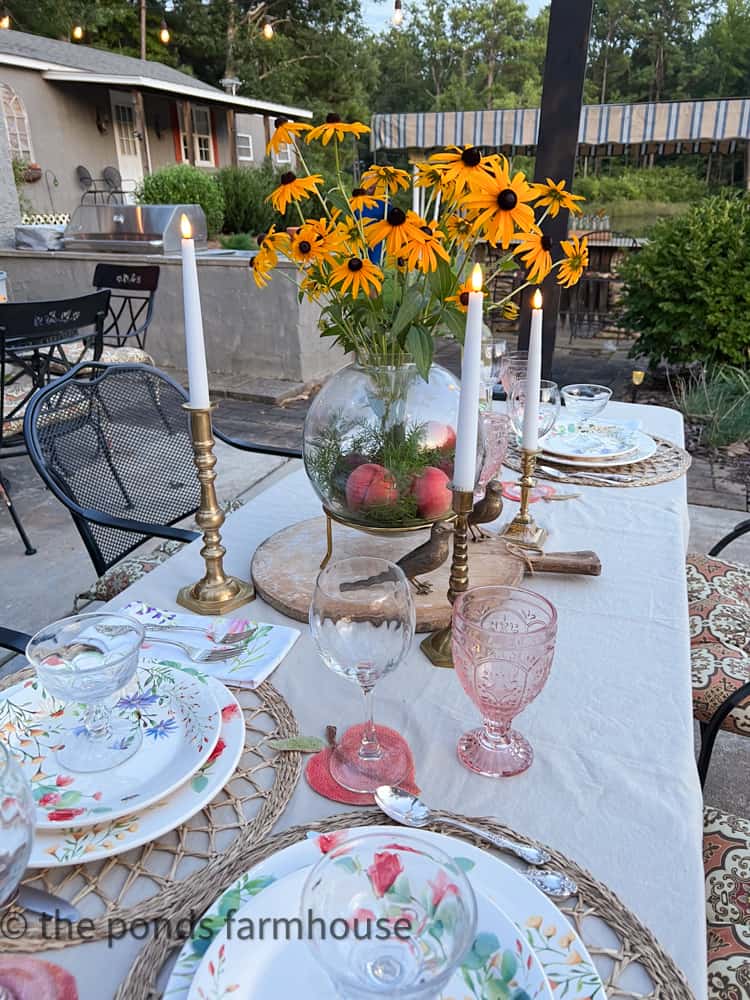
x=37, y=589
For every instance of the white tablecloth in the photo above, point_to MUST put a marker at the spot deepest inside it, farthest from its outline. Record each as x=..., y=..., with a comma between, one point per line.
x=613, y=784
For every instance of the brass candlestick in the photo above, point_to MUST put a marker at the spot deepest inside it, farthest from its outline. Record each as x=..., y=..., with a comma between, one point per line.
x=523, y=530
x=437, y=646
x=216, y=593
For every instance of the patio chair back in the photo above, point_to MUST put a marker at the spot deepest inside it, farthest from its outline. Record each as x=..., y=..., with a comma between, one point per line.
x=131, y=304
x=112, y=443
x=33, y=341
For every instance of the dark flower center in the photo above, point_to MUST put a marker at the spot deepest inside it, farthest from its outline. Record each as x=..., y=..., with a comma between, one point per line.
x=546, y=244
x=507, y=199
x=471, y=157
x=288, y=177
x=280, y=121
x=252, y=262
x=332, y=118
x=396, y=217
x=401, y=261
x=304, y=246
x=354, y=264
x=358, y=192
x=463, y=298
x=259, y=238
x=426, y=229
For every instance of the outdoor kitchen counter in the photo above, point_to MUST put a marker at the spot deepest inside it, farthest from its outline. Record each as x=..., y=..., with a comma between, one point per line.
x=250, y=333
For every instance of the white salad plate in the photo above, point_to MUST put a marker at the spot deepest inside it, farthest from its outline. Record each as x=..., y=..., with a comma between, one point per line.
x=70, y=846
x=249, y=968
x=563, y=956
x=179, y=721
x=645, y=447
x=597, y=441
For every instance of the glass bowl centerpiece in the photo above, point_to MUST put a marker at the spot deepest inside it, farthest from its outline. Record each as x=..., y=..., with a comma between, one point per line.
x=380, y=437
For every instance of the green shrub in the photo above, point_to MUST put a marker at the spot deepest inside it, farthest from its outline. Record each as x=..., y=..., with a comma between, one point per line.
x=719, y=400
x=245, y=191
x=182, y=184
x=687, y=292
x=670, y=184
x=239, y=241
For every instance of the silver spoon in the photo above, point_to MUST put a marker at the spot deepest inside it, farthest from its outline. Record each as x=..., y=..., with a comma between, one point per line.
x=410, y=810
x=600, y=477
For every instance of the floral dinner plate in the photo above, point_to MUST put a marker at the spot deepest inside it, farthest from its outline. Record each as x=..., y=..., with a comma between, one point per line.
x=71, y=846
x=563, y=956
x=180, y=723
x=500, y=963
x=592, y=441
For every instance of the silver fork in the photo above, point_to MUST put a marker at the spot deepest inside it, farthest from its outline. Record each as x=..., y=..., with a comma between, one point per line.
x=194, y=653
x=599, y=477
x=228, y=639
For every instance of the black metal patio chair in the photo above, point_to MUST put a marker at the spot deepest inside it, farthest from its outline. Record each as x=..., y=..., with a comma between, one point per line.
x=719, y=609
x=131, y=303
x=15, y=641
x=112, y=444
x=34, y=337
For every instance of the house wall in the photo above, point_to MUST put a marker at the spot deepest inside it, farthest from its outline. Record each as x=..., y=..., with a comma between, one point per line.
x=62, y=120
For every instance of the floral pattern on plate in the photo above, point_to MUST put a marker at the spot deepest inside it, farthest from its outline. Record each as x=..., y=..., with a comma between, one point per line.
x=68, y=846
x=257, y=656
x=180, y=723
x=563, y=963
x=571, y=440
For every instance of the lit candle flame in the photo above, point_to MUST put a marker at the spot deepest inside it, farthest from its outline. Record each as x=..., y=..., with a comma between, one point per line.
x=536, y=300
x=476, y=278
x=185, y=228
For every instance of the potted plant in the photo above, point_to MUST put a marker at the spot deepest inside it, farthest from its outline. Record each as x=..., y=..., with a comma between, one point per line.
x=380, y=436
x=32, y=173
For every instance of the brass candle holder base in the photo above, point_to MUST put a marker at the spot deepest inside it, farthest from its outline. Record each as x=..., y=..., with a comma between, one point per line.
x=215, y=593
x=437, y=646
x=523, y=529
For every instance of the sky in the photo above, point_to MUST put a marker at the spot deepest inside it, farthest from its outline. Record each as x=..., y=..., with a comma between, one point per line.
x=377, y=13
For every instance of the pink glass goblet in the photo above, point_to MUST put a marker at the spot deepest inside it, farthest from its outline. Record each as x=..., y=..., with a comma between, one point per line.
x=496, y=427
x=503, y=645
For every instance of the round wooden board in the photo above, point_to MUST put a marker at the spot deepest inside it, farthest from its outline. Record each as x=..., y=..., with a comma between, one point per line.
x=285, y=566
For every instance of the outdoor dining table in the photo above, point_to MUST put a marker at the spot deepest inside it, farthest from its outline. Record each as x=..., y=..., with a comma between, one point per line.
x=613, y=784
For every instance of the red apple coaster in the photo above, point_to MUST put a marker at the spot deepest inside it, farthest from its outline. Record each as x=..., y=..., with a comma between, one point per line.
x=23, y=978
x=512, y=491
x=319, y=778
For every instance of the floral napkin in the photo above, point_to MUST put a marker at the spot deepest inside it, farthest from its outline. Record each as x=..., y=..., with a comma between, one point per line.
x=257, y=656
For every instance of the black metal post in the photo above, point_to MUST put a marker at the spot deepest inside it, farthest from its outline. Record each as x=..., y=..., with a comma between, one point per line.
x=562, y=96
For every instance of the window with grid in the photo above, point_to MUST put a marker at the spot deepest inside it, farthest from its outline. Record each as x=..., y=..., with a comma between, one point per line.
x=125, y=129
x=244, y=148
x=284, y=154
x=16, y=124
x=202, y=138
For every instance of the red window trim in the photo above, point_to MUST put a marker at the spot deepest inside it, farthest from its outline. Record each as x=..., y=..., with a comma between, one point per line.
x=176, y=132
x=214, y=137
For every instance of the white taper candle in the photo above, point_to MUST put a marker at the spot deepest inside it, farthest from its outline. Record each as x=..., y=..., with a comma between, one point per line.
x=195, y=347
x=464, y=470
x=533, y=376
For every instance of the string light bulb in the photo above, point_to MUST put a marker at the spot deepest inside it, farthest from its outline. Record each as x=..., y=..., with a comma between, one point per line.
x=398, y=14
x=77, y=32
x=4, y=20
x=268, y=31
x=164, y=35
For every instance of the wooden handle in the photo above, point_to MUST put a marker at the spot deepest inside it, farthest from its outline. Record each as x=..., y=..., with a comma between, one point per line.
x=583, y=563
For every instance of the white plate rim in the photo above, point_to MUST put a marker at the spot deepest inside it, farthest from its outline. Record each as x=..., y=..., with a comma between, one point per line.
x=646, y=449
x=612, y=455
x=160, y=818
x=294, y=856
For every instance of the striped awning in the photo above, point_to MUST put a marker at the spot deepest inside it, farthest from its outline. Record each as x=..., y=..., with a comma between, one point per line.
x=670, y=126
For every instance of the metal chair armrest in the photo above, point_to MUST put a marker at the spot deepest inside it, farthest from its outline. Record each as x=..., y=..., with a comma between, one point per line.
x=136, y=527
x=742, y=529
x=15, y=641
x=260, y=449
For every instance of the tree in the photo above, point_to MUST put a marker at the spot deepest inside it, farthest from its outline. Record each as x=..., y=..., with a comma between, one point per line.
x=722, y=60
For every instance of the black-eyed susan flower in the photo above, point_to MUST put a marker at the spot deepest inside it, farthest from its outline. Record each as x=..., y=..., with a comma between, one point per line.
x=576, y=260
x=285, y=134
x=461, y=297
x=535, y=250
x=306, y=246
x=292, y=188
x=460, y=229
x=510, y=310
x=554, y=196
x=261, y=265
x=396, y=230
x=361, y=198
x=273, y=243
x=313, y=287
x=428, y=175
x=334, y=128
x=423, y=254
x=499, y=203
x=354, y=274
x=458, y=165
x=384, y=179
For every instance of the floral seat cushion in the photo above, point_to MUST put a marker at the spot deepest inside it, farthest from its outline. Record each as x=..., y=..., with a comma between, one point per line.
x=77, y=351
x=726, y=863
x=719, y=610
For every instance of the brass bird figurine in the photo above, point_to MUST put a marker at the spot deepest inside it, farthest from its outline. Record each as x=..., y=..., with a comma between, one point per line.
x=427, y=557
x=486, y=510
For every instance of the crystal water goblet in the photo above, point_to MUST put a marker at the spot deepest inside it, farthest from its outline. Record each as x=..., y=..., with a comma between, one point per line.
x=549, y=406
x=503, y=641
x=82, y=661
x=496, y=427
x=362, y=619
x=410, y=910
x=17, y=811
x=583, y=401
x=513, y=365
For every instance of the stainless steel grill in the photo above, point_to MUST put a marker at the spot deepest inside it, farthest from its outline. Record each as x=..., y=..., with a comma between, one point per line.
x=153, y=229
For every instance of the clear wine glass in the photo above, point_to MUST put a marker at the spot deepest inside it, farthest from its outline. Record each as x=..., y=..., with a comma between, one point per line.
x=584, y=401
x=362, y=619
x=410, y=909
x=17, y=811
x=549, y=406
x=513, y=366
x=84, y=660
x=503, y=641
x=494, y=350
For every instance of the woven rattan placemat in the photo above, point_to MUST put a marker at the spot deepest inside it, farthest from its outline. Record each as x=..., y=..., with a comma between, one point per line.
x=159, y=878
x=668, y=462
x=624, y=943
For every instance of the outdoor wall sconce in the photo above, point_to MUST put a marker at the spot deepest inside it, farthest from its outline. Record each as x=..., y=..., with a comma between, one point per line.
x=4, y=20
x=398, y=14
x=103, y=121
